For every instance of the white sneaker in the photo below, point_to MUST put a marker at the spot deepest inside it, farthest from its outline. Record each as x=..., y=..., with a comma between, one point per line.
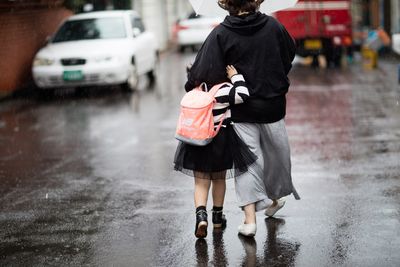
x=248, y=229
x=271, y=210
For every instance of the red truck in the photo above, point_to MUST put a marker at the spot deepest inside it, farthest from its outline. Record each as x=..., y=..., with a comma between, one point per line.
x=320, y=27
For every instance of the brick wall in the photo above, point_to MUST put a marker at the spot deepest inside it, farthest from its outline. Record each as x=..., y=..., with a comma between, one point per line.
x=22, y=33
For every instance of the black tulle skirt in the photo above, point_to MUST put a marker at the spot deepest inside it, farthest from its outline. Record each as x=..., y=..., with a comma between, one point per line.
x=227, y=156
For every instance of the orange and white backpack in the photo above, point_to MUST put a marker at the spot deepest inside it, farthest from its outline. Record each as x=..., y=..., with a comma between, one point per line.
x=196, y=121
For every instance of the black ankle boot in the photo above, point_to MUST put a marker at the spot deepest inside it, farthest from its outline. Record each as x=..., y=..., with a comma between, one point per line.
x=201, y=224
x=218, y=219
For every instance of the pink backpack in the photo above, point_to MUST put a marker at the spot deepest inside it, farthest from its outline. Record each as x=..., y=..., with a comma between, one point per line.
x=196, y=121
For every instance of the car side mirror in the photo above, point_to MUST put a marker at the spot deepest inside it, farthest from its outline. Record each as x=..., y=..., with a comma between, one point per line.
x=136, y=32
x=48, y=39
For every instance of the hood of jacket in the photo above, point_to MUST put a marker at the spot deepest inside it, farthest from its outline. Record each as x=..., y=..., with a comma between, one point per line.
x=246, y=25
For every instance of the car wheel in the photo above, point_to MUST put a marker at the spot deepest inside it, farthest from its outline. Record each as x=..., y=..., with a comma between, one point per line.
x=315, y=62
x=154, y=73
x=182, y=49
x=338, y=54
x=133, y=80
x=152, y=76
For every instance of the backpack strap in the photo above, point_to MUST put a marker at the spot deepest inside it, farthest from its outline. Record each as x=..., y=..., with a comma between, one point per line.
x=219, y=126
x=202, y=87
x=213, y=91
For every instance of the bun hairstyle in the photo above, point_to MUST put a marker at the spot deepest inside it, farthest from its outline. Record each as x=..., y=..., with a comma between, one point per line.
x=234, y=7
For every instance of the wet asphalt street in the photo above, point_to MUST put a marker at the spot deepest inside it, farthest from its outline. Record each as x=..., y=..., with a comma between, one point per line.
x=88, y=180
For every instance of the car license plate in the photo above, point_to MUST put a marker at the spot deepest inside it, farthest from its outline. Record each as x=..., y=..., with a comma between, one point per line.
x=313, y=44
x=73, y=75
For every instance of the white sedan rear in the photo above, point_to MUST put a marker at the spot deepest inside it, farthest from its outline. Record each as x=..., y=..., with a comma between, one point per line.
x=194, y=30
x=98, y=48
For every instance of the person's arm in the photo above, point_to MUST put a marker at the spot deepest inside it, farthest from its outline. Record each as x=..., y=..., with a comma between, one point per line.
x=239, y=92
x=287, y=48
x=230, y=94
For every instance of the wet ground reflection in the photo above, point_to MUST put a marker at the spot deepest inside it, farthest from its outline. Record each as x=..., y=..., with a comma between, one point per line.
x=219, y=255
x=276, y=251
x=201, y=249
x=91, y=177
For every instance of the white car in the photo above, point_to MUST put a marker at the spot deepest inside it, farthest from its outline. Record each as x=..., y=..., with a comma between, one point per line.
x=194, y=30
x=98, y=48
x=396, y=43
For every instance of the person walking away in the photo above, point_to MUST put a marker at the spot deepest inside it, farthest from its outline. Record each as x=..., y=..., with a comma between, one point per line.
x=225, y=157
x=262, y=51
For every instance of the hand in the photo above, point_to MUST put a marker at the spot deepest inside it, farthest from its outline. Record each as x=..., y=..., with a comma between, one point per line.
x=230, y=71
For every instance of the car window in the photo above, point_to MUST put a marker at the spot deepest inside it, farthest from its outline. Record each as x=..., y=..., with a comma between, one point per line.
x=89, y=29
x=137, y=23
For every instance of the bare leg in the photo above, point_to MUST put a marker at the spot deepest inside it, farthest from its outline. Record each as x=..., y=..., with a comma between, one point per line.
x=201, y=188
x=218, y=192
x=250, y=213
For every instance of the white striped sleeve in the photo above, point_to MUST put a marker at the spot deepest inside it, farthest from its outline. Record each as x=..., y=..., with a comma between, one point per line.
x=224, y=91
x=240, y=89
x=237, y=78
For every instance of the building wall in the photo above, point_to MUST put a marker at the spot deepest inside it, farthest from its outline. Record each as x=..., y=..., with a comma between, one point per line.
x=375, y=13
x=22, y=33
x=395, y=8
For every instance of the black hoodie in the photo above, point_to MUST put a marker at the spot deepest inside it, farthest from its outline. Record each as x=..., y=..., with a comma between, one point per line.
x=261, y=49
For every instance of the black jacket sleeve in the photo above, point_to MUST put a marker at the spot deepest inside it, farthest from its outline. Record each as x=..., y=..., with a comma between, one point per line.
x=209, y=65
x=287, y=47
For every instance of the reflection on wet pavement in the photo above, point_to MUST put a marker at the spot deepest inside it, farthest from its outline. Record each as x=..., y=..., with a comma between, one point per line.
x=201, y=248
x=219, y=252
x=276, y=251
x=88, y=181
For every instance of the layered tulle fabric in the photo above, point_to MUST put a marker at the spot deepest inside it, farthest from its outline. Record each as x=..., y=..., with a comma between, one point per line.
x=227, y=156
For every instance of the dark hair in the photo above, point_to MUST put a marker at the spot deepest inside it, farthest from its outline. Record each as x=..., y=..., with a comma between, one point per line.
x=236, y=6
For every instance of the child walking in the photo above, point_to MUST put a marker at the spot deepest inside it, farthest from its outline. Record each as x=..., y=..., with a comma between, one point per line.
x=225, y=157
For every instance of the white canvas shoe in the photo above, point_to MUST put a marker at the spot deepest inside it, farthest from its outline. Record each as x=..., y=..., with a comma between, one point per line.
x=271, y=210
x=248, y=229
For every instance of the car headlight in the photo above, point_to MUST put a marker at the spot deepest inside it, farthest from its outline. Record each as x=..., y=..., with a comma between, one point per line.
x=40, y=61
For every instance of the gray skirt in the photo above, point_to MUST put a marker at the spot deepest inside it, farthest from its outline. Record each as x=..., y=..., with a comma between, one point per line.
x=270, y=176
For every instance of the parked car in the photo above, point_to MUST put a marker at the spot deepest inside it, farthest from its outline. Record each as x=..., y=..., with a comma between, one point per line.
x=97, y=48
x=193, y=30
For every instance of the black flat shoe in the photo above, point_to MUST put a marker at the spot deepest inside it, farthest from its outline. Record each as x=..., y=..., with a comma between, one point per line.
x=218, y=219
x=201, y=224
